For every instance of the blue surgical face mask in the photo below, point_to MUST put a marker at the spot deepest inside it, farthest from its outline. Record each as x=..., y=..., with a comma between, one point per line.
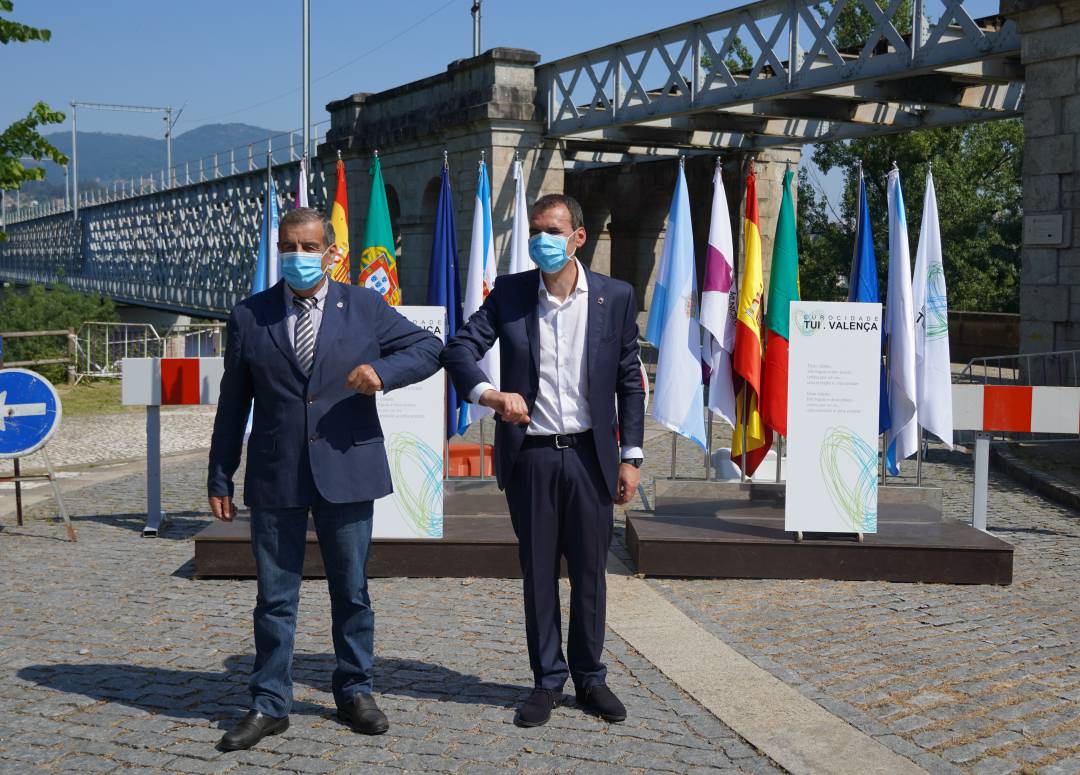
x=302, y=270
x=548, y=251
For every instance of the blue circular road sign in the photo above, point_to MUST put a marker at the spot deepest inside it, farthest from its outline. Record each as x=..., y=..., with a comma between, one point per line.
x=29, y=412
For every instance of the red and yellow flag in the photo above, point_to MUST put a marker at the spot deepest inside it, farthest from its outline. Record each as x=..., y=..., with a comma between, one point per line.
x=339, y=218
x=748, y=356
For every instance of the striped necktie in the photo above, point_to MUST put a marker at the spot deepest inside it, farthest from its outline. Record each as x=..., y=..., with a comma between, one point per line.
x=305, y=332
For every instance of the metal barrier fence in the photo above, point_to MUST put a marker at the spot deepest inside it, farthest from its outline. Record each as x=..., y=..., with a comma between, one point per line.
x=100, y=347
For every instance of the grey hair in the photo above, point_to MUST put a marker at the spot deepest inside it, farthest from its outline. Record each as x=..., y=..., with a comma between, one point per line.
x=301, y=215
x=548, y=201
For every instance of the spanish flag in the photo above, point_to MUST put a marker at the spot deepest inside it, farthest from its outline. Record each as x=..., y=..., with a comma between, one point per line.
x=339, y=219
x=748, y=356
x=783, y=289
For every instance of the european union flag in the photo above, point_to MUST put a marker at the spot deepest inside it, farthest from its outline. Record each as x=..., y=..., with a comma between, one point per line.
x=443, y=290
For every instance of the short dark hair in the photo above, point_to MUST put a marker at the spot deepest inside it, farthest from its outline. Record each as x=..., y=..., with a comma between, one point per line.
x=546, y=202
x=301, y=215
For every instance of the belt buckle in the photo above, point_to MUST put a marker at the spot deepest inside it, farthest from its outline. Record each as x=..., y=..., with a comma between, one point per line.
x=558, y=442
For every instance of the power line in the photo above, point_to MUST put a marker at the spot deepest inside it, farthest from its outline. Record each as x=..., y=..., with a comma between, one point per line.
x=336, y=70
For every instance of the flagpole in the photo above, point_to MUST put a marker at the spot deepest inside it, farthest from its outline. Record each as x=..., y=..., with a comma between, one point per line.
x=778, y=440
x=483, y=473
x=745, y=409
x=918, y=459
x=708, y=448
x=674, y=441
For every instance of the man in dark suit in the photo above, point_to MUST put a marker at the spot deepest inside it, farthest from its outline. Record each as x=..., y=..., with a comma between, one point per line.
x=311, y=354
x=570, y=379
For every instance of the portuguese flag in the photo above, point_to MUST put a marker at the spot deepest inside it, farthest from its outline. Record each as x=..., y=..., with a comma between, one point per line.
x=747, y=359
x=339, y=217
x=783, y=289
x=378, y=259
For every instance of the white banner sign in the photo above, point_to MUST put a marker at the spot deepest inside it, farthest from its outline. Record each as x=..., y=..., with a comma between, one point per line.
x=413, y=420
x=834, y=373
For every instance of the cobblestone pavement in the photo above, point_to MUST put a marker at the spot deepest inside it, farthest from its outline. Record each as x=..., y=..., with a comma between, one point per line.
x=113, y=659
x=972, y=679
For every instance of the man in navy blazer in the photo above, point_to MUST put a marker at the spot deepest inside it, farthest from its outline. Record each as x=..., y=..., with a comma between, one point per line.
x=570, y=391
x=310, y=354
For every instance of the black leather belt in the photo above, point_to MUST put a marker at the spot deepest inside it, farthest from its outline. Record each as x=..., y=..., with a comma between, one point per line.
x=559, y=440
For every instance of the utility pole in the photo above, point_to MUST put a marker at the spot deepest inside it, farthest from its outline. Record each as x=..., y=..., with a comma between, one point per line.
x=476, y=28
x=74, y=164
x=306, y=108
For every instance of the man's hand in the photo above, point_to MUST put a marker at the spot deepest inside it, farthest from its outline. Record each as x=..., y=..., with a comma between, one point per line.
x=629, y=479
x=511, y=407
x=364, y=379
x=222, y=507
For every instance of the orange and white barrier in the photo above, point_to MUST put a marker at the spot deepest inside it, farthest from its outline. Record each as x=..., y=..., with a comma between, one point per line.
x=989, y=409
x=157, y=382
x=170, y=381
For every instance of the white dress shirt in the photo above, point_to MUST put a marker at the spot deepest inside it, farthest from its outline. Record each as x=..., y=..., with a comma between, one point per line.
x=315, y=313
x=562, y=401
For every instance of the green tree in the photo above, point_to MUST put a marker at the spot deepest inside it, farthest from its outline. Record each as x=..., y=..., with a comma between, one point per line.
x=37, y=309
x=22, y=139
x=824, y=247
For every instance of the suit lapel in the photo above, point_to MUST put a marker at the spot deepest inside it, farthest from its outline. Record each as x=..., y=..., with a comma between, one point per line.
x=597, y=317
x=332, y=327
x=276, y=315
x=532, y=320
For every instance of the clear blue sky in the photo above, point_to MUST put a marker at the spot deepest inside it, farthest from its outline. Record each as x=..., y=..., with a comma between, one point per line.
x=239, y=60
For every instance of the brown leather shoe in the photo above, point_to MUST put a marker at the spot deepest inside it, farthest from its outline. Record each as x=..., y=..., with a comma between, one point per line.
x=363, y=715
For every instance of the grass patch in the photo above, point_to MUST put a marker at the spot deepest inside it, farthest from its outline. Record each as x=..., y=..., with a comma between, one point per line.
x=93, y=397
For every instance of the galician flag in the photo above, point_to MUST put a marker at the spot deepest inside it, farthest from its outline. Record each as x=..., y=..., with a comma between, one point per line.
x=267, y=263
x=673, y=326
x=747, y=361
x=478, y=284
x=902, y=436
x=302, y=184
x=339, y=219
x=933, y=369
x=519, y=233
x=783, y=289
x=444, y=288
x=378, y=258
x=718, y=305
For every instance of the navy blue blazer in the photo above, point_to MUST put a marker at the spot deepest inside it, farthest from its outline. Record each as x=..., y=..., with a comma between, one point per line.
x=616, y=396
x=312, y=435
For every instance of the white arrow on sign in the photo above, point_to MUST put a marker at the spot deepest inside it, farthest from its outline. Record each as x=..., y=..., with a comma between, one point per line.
x=17, y=410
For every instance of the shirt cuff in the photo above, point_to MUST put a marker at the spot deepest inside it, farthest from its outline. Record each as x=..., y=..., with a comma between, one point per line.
x=479, y=390
x=629, y=453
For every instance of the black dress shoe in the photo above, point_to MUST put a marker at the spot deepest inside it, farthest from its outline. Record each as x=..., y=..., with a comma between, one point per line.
x=252, y=728
x=363, y=715
x=602, y=701
x=537, y=709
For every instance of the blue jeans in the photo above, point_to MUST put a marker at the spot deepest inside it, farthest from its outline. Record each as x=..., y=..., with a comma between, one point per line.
x=278, y=543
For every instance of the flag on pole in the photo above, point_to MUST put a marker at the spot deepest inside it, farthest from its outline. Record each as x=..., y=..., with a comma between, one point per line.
x=748, y=356
x=301, y=199
x=863, y=285
x=443, y=288
x=339, y=219
x=673, y=326
x=519, y=234
x=718, y=305
x=267, y=266
x=902, y=436
x=378, y=258
x=478, y=284
x=933, y=368
x=783, y=289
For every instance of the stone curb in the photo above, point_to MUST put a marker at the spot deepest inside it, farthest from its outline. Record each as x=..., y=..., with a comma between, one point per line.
x=1039, y=481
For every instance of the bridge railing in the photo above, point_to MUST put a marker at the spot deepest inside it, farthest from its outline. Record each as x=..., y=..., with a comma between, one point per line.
x=765, y=50
x=279, y=148
x=100, y=347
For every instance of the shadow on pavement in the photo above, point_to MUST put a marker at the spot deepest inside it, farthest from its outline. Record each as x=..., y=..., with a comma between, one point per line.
x=222, y=695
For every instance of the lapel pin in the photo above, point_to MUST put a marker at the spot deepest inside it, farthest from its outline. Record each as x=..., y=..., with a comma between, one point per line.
x=600, y=300
x=341, y=305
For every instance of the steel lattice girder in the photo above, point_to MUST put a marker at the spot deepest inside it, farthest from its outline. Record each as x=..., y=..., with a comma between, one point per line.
x=675, y=86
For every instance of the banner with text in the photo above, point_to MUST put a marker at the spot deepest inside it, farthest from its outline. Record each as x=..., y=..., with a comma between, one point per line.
x=413, y=419
x=833, y=383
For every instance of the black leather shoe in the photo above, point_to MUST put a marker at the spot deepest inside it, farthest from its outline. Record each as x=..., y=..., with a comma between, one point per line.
x=363, y=715
x=252, y=728
x=536, y=710
x=602, y=701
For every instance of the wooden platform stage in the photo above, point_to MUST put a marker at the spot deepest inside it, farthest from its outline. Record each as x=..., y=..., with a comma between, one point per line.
x=716, y=530
x=478, y=541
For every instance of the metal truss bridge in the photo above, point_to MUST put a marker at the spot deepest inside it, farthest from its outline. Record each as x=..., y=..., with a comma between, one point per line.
x=776, y=72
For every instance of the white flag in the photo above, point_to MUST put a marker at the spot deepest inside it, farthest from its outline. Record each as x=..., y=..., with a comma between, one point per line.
x=933, y=369
x=481, y=279
x=519, y=234
x=717, y=305
x=302, y=184
x=902, y=436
